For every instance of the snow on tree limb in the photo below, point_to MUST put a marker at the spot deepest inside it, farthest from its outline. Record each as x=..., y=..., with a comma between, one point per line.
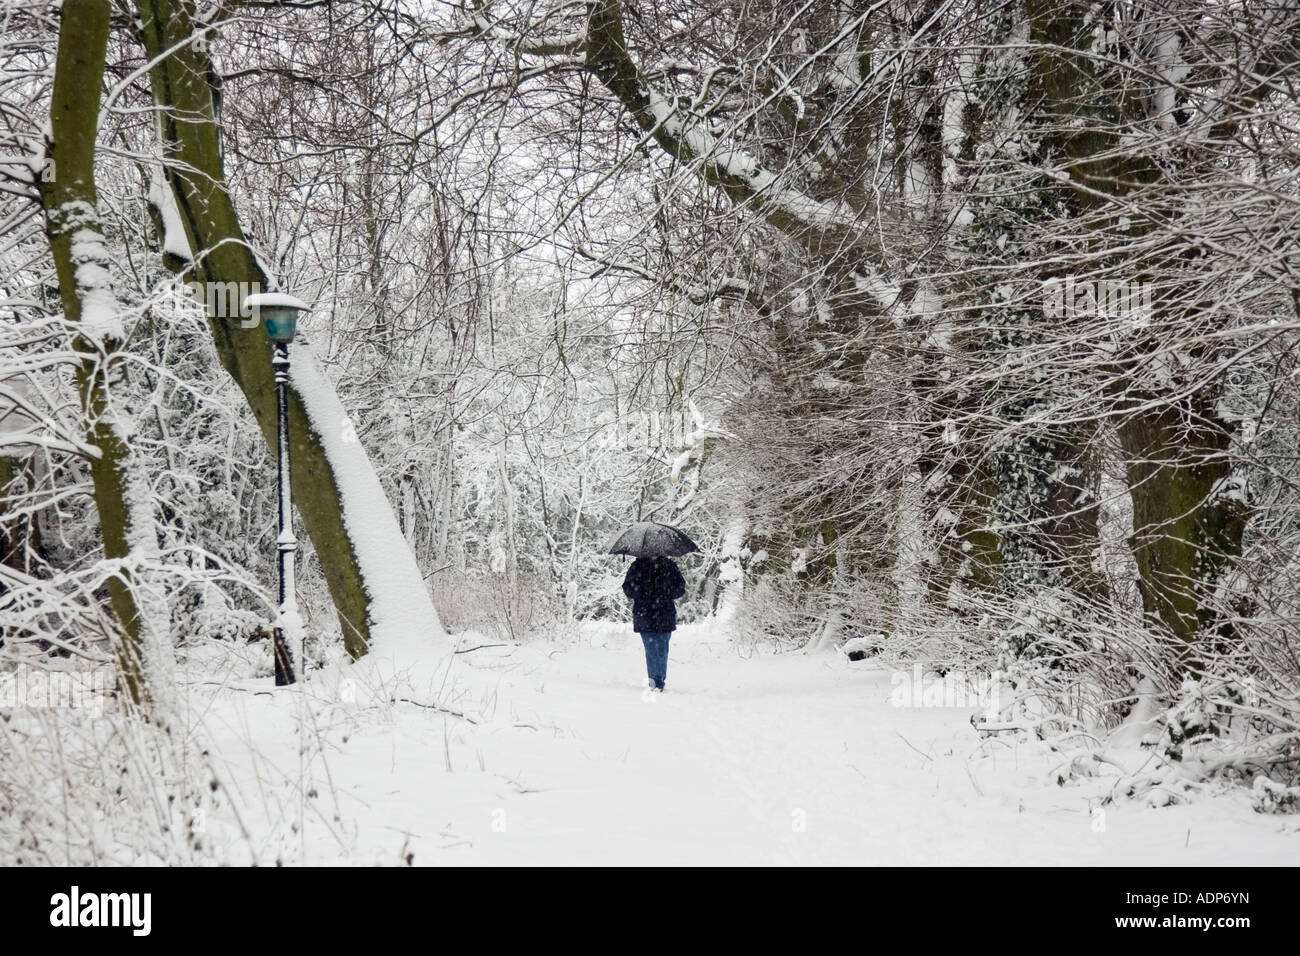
x=818, y=224
x=401, y=615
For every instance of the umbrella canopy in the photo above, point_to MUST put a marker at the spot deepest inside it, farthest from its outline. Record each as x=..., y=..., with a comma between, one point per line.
x=650, y=538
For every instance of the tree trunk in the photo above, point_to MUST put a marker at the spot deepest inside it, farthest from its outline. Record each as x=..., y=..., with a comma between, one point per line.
x=337, y=518
x=121, y=491
x=1185, y=530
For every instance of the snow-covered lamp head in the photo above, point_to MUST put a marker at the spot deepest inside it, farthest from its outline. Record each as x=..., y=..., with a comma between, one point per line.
x=278, y=312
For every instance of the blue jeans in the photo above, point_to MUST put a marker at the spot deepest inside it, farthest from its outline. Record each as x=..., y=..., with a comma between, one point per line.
x=656, y=656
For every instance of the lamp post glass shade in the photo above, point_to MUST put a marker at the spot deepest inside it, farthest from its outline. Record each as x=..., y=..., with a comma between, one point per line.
x=278, y=312
x=281, y=324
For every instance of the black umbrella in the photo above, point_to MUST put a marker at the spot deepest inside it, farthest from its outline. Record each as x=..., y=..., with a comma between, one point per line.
x=648, y=538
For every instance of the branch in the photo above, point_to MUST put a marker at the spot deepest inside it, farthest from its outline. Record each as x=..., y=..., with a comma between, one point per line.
x=560, y=44
x=727, y=287
x=827, y=228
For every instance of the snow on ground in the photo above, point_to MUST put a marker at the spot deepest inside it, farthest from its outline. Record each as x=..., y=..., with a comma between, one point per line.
x=747, y=759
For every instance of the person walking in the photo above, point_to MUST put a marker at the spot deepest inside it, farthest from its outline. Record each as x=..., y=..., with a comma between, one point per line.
x=654, y=584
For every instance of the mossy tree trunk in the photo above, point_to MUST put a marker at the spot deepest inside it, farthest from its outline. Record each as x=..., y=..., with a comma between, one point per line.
x=1186, y=532
x=195, y=172
x=121, y=492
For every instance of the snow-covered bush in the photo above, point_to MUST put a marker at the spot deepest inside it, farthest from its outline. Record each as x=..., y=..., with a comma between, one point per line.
x=95, y=785
x=1268, y=796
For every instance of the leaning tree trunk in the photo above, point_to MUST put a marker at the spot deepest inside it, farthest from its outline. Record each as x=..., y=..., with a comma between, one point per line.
x=121, y=490
x=372, y=576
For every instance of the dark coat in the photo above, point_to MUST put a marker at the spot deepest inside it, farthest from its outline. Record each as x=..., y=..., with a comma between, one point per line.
x=653, y=586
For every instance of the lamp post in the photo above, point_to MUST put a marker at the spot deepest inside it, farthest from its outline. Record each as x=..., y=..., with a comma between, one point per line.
x=279, y=315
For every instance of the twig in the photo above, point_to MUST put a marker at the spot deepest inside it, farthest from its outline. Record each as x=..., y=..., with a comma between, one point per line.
x=909, y=743
x=439, y=709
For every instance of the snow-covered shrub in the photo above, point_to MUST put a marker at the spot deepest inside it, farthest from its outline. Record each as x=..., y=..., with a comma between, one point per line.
x=1191, y=722
x=518, y=606
x=862, y=648
x=1214, y=731
x=461, y=600
x=1268, y=796
x=775, y=614
x=83, y=788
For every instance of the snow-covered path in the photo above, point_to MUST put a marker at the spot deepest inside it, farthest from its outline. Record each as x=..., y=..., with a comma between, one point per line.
x=790, y=759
